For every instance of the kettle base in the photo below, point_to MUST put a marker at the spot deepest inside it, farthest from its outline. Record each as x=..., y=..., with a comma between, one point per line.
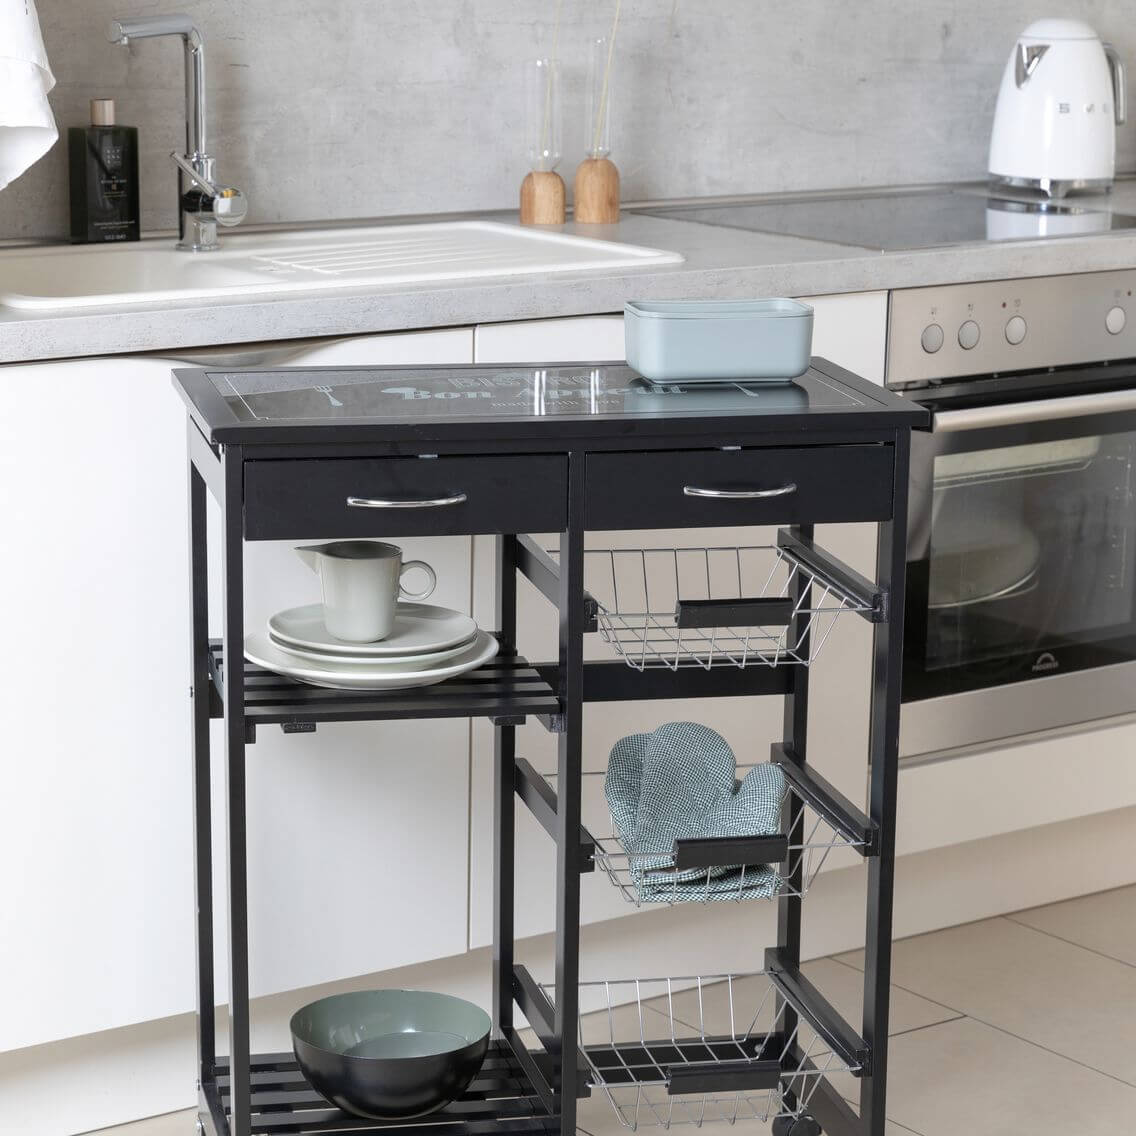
x=1053, y=187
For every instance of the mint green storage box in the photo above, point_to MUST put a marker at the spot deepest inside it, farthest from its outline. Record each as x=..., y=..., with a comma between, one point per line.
x=713, y=341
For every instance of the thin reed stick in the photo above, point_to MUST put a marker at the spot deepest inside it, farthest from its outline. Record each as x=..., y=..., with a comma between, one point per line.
x=546, y=128
x=601, y=108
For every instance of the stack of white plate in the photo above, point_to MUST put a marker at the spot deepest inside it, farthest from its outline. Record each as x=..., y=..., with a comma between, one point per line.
x=428, y=644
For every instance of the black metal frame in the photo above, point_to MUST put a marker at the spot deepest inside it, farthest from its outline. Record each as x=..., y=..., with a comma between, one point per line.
x=522, y=1090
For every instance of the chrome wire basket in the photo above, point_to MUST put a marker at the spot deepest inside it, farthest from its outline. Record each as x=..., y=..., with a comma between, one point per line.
x=658, y=607
x=810, y=841
x=649, y=1042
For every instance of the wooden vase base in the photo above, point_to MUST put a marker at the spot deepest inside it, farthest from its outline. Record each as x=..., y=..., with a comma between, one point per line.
x=542, y=198
x=597, y=192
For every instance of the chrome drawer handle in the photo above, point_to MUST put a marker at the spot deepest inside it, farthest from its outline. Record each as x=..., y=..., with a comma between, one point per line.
x=405, y=503
x=739, y=494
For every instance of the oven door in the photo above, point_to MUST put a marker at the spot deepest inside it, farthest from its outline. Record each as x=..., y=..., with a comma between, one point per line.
x=1021, y=569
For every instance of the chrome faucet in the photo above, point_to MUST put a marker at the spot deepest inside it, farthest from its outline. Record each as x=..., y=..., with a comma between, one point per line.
x=202, y=203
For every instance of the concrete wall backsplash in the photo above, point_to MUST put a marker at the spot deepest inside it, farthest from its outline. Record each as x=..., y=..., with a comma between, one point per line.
x=358, y=108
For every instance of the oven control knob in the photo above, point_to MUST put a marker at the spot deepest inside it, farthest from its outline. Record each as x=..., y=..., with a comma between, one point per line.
x=1115, y=320
x=1015, y=330
x=932, y=338
x=969, y=335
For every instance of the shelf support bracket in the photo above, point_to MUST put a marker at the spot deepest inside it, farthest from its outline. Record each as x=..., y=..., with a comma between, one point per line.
x=540, y=798
x=544, y=573
x=836, y=572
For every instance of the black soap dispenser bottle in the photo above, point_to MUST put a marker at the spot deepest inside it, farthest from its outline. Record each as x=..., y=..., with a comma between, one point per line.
x=104, y=178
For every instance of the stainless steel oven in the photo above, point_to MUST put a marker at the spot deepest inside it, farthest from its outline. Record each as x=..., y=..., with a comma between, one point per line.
x=1021, y=575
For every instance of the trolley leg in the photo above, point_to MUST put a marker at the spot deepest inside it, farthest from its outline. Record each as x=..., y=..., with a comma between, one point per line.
x=571, y=663
x=504, y=765
x=233, y=562
x=202, y=818
x=887, y=650
x=795, y=735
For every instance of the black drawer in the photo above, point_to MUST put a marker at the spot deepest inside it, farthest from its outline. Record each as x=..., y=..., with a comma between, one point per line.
x=696, y=488
x=362, y=497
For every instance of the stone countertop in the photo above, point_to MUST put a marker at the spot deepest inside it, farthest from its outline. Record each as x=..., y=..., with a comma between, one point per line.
x=720, y=263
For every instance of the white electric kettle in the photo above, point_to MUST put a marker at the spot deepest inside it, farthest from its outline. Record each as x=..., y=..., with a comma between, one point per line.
x=1061, y=98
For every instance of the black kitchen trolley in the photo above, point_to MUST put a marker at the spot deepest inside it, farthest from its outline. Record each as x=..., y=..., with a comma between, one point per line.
x=567, y=449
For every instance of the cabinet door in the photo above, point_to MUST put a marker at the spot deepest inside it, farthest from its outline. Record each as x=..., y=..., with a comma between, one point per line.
x=849, y=330
x=97, y=770
x=579, y=339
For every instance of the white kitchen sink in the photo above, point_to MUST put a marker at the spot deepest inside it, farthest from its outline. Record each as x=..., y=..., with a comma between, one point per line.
x=274, y=263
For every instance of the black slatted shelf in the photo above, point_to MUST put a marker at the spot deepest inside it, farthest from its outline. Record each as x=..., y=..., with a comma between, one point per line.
x=500, y=1100
x=508, y=687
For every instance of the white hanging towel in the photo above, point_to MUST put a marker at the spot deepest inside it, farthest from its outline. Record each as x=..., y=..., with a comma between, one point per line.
x=27, y=128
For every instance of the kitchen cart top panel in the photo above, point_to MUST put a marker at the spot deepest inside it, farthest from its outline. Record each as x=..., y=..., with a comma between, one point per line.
x=300, y=404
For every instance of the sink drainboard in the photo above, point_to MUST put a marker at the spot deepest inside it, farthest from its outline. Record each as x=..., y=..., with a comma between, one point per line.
x=457, y=250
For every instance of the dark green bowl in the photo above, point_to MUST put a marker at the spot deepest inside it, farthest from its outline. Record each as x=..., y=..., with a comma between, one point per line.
x=390, y=1054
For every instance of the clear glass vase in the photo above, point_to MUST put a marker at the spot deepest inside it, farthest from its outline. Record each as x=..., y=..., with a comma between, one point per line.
x=542, y=114
x=598, y=126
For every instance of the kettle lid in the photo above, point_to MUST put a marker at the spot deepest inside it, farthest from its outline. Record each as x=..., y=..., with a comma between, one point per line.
x=1058, y=29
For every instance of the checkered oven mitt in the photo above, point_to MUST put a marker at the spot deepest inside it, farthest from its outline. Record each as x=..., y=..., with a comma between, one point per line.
x=680, y=782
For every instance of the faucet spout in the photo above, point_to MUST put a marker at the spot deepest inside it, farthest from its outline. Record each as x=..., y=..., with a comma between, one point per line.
x=198, y=197
x=127, y=28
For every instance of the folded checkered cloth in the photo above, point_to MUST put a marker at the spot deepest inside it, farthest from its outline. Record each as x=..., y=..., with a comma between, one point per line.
x=680, y=782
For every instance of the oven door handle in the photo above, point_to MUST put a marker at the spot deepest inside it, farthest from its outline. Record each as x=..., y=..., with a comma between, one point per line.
x=1045, y=409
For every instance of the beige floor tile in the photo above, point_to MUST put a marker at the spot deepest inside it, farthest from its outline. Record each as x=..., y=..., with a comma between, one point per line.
x=1040, y=988
x=1104, y=922
x=171, y=1124
x=843, y=986
x=964, y=1078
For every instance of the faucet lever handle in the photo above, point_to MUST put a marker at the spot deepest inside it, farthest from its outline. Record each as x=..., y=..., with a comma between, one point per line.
x=229, y=205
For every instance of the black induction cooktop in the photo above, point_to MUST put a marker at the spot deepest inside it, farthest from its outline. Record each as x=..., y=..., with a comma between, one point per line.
x=893, y=222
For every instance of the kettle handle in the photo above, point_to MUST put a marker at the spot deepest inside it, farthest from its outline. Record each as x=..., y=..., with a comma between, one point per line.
x=1119, y=83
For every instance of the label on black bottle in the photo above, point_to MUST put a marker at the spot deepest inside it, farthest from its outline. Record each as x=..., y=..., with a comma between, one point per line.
x=112, y=220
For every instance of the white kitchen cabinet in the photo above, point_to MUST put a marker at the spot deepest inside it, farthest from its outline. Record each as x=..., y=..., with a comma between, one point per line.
x=850, y=330
x=576, y=339
x=96, y=836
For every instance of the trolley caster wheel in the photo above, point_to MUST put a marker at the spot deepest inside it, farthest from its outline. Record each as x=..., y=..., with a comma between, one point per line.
x=796, y=1126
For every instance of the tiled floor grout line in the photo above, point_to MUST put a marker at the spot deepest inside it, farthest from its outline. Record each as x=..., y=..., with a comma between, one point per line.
x=926, y=1026
x=1071, y=942
x=1052, y=1052
x=908, y=990
x=1008, y=1033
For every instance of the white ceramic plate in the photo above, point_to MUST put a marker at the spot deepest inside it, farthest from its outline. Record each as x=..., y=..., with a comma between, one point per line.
x=418, y=629
x=405, y=662
x=259, y=649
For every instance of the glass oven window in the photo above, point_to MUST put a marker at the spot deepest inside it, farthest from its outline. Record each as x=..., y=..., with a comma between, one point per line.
x=1032, y=548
